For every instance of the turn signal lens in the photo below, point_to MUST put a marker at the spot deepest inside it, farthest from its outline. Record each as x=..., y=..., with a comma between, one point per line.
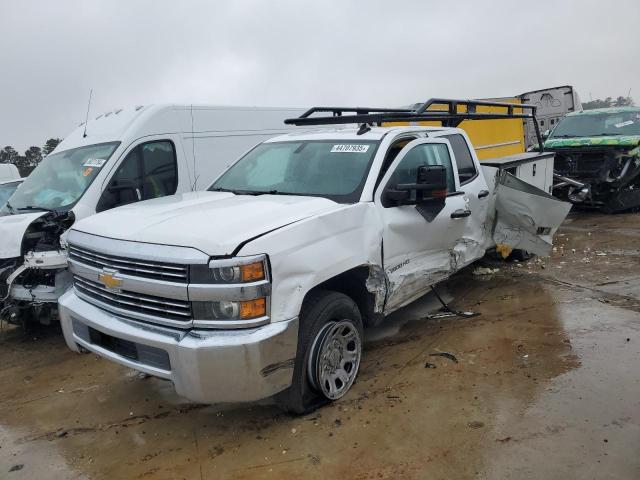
x=253, y=308
x=252, y=272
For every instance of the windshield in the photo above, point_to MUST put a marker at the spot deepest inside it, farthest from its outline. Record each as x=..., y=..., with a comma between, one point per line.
x=6, y=190
x=598, y=125
x=62, y=178
x=332, y=169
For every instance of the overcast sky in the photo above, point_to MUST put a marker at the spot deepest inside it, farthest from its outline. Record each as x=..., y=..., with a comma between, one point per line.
x=299, y=53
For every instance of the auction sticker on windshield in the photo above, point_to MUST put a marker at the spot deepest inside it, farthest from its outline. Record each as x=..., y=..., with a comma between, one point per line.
x=94, y=162
x=349, y=148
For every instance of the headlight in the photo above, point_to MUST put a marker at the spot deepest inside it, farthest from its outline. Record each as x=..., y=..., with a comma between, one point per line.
x=231, y=310
x=231, y=270
x=231, y=292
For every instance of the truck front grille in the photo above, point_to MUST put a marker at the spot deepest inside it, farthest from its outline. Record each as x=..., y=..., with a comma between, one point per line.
x=124, y=301
x=140, y=268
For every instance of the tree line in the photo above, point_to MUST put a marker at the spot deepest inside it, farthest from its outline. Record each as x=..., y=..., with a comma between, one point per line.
x=31, y=158
x=608, y=103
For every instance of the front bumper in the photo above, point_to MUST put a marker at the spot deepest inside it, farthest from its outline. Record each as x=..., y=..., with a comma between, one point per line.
x=205, y=366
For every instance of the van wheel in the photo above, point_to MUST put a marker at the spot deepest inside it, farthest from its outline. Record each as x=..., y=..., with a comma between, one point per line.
x=329, y=352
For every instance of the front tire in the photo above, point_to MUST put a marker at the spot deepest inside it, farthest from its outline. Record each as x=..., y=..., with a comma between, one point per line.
x=329, y=352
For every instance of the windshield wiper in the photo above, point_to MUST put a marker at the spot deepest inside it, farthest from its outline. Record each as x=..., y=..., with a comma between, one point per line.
x=42, y=209
x=219, y=189
x=271, y=192
x=12, y=210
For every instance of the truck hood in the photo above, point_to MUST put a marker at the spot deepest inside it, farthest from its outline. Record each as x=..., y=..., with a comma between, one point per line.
x=12, y=230
x=214, y=222
x=629, y=141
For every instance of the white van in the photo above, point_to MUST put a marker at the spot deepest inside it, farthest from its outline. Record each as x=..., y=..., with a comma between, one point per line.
x=8, y=172
x=116, y=159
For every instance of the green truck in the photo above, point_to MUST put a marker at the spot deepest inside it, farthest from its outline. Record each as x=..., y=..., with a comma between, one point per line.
x=597, y=159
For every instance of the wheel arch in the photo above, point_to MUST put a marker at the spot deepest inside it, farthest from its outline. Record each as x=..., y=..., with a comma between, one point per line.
x=365, y=285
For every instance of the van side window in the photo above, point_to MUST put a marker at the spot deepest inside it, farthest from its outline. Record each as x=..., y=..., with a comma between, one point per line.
x=464, y=160
x=160, y=170
x=149, y=171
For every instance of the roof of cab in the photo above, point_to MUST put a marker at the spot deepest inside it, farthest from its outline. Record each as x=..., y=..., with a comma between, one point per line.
x=347, y=133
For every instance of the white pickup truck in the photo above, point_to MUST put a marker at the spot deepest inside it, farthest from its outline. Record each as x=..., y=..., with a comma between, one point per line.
x=261, y=286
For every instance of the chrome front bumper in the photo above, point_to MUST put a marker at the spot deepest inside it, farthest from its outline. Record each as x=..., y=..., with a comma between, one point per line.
x=205, y=366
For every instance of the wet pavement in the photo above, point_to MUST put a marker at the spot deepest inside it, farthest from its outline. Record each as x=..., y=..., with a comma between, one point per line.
x=546, y=385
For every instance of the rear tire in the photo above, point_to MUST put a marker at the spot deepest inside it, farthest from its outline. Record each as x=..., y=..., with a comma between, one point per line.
x=329, y=352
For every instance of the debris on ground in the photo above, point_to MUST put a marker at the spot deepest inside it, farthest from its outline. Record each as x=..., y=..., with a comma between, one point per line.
x=475, y=424
x=429, y=365
x=485, y=271
x=15, y=468
x=450, y=356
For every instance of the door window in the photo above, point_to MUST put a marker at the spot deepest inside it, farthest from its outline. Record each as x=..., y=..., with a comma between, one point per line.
x=149, y=171
x=464, y=160
x=428, y=154
x=160, y=170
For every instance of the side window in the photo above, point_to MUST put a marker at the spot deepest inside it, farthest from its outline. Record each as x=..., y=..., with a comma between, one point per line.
x=160, y=170
x=125, y=186
x=392, y=153
x=464, y=160
x=426, y=154
x=150, y=170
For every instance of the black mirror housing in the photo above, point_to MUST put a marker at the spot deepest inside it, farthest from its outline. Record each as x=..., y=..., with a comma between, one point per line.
x=431, y=183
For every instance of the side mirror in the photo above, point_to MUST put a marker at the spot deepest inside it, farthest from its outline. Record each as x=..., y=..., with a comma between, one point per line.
x=546, y=134
x=430, y=187
x=121, y=192
x=431, y=183
x=121, y=185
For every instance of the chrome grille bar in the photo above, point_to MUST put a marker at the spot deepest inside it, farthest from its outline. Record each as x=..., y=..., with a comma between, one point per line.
x=146, y=269
x=157, y=307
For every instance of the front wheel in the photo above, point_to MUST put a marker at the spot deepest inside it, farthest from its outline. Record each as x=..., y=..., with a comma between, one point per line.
x=329, y=352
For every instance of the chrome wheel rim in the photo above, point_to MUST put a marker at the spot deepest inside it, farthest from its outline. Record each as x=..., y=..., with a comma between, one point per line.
x=335, y=358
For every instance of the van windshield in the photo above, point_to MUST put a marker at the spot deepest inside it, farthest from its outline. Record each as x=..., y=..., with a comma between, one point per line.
x=61, y=179
x=336, y=170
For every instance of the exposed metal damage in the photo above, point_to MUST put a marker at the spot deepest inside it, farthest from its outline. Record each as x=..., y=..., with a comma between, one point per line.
x=377, y=284
x=32, y=281
x=606, y=177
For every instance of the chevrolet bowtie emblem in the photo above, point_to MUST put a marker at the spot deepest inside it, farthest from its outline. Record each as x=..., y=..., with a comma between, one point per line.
x=109, y=280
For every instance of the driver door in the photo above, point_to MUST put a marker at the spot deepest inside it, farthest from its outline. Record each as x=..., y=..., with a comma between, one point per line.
x=417, y=252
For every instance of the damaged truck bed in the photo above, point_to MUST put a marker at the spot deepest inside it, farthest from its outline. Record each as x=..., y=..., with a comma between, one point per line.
x=261, y=285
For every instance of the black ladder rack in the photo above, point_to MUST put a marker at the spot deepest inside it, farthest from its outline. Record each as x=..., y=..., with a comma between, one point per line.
x=449, y=116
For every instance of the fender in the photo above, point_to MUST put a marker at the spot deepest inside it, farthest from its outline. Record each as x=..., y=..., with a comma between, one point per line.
x=311, y=251
x=12, y=230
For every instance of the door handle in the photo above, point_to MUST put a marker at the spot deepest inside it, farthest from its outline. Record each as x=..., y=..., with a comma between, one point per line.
x=461, y=213
x=483, y=193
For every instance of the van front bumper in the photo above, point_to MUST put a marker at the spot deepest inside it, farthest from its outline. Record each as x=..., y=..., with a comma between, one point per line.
x=205, y=366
